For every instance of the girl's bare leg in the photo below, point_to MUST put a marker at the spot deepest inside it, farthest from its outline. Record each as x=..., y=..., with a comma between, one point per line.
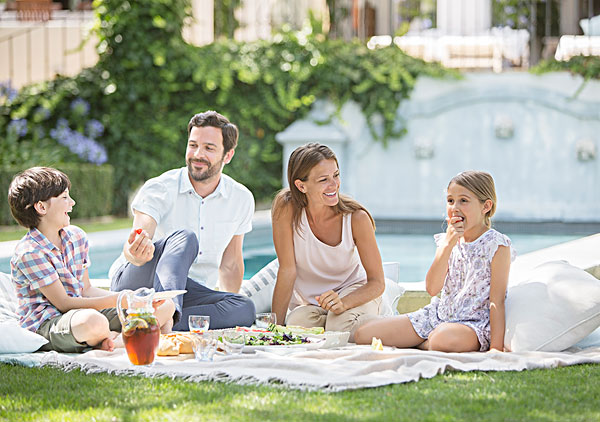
x=453, y=337
x=394, y=331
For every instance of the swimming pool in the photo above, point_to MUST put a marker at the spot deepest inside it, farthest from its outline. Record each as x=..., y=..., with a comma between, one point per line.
x=414, y=252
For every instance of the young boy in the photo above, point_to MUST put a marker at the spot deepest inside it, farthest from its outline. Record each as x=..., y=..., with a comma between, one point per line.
x=49, y=269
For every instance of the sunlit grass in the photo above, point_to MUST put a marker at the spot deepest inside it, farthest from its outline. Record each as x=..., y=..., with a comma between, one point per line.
x=562, y=394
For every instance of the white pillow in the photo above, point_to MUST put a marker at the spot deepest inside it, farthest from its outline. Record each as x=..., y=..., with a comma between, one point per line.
x=557, y=306
x=393, y=291
x=260, y=287
x=14, y=339
x=8, y=299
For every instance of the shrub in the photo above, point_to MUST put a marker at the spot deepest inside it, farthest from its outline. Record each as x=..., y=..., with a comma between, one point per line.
x=91, y=188
x=586, y=66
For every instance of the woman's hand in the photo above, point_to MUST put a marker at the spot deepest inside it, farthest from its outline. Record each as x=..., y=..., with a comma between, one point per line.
x=330, y=301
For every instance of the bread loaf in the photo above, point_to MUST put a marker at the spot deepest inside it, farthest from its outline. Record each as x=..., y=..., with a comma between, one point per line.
x=175, y=343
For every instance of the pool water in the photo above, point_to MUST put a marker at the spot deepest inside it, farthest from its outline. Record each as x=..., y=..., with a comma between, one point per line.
x=414, y=253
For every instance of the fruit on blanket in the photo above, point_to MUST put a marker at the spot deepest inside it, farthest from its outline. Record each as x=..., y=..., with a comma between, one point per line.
x=376, y=344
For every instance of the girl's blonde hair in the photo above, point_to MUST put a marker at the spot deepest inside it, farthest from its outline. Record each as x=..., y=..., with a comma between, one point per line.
x=482, y=185
x=301, y=162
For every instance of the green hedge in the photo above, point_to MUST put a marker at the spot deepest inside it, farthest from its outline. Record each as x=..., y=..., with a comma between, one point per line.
x=587, y=67
x=91, y=188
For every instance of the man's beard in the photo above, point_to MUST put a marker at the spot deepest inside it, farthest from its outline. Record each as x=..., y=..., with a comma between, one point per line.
x=202, y=175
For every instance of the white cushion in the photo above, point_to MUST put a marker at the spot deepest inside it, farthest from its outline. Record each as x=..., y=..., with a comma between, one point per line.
x=8, y=299
x=393, y=291
x=260, y=287
x=554, y=308
x=14, y=339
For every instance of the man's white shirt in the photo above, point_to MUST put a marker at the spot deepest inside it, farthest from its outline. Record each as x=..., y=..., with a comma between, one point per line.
x=170, y=199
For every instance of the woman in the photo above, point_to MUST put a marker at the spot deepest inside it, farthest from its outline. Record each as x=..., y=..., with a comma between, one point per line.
x=330, y=271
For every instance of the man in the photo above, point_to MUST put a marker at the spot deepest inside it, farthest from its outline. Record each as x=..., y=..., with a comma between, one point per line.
x=198, y=217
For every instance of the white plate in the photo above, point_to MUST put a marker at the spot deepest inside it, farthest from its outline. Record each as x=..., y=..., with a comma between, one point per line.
x=314, y=344
x=168, y=294
x=334, y=338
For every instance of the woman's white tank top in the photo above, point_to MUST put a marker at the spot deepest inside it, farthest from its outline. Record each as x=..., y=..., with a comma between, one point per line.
x=320, y=267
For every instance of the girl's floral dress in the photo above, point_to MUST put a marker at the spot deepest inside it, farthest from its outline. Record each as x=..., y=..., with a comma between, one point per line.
x=465, y=297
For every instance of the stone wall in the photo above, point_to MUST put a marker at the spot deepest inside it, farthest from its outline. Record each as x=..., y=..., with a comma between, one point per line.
x=537, y=135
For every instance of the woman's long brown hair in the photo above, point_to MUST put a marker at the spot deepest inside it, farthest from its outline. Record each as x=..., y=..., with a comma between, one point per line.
x=301, y=162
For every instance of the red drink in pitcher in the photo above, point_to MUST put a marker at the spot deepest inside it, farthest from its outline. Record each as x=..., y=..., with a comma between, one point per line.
x=141, y=340
x=140, y=330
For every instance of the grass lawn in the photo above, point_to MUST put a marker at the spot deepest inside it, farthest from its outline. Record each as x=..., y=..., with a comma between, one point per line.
x=99, y=224
x=563, y=394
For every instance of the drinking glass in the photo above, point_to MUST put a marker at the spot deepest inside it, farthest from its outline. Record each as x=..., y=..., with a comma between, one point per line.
x=199, y=323
x=264, y=319
x=204, y=345
x=234, y=341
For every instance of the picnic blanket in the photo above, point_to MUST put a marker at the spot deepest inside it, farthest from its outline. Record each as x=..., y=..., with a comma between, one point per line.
x=331, y=370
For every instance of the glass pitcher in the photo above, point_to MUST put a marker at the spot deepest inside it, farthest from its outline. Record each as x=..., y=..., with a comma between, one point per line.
x=140, y=329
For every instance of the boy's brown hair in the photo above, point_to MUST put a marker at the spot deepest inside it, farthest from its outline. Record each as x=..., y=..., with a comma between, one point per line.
x=29, y=187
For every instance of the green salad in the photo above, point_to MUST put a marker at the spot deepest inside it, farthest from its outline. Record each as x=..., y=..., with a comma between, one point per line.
x=275, y=339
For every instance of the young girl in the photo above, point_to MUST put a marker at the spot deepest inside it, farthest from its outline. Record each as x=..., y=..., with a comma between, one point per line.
x=330, y=271
x=470, y=269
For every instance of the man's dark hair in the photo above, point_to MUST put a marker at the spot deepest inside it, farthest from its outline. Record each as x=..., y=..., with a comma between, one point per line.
x=29, y=187
x=214, y=119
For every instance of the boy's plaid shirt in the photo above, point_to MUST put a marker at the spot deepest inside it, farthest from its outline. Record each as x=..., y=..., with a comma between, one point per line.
x=37, y=262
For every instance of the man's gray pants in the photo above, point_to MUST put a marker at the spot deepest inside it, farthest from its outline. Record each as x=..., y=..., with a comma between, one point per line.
x=168, y=270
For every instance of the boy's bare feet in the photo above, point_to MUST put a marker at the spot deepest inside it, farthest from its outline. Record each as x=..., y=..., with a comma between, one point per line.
x=118, y=340
x=111, y=342
x=107, y=344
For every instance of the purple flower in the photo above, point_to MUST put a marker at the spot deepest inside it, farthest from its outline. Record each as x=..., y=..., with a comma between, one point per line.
x=62, y=123
x=18, y=127
x=86, y=148
x=94, y=128
x=523, y=19
x=7, y=91
x=80, y=106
